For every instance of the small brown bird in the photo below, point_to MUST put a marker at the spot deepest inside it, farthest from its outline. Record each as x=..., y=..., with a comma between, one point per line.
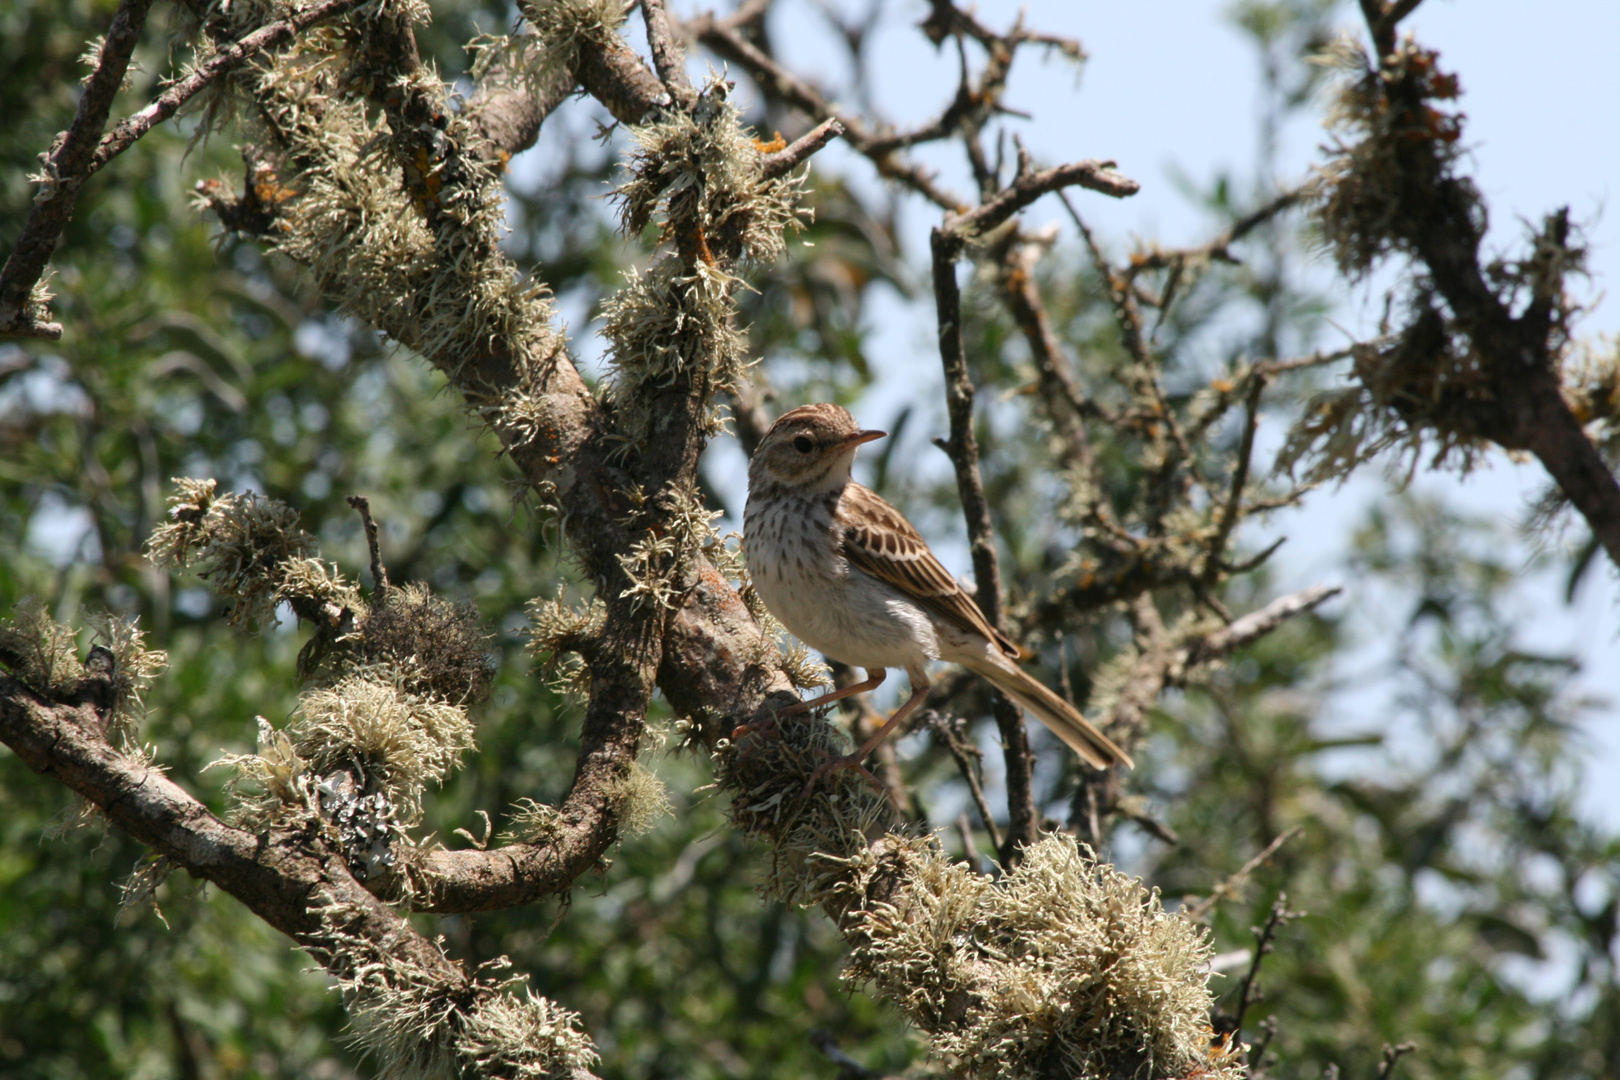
x=849, y=575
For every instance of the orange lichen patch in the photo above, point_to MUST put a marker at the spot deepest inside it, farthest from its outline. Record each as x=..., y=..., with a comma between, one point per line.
x=268, y=188
x=1223, y=386
x=422, y=178
x=774, y=146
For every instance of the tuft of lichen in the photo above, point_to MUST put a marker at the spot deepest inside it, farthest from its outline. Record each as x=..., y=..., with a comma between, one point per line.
x=525, y=1037
x=1063, y=966
x=393, y=741
x=439, y=648
x=414, y=1023
x=44, y=654
x=559, y=636
x=39, y=651
x=695, y=176
x=401, y=740
x=1400, y=133
x=816, y=832
x=639, y=799
x=251, y=550
x=533, y=822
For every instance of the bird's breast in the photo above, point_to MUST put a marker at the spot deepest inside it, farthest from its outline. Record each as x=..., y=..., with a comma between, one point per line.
x=794, y=554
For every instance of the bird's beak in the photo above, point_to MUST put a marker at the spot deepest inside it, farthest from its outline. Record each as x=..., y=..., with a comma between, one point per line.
x=862, y=437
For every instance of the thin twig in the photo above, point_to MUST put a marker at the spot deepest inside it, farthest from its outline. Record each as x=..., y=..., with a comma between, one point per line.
x=1257, y=624
x=963, y=448
x=1391, y=1055
x=777, y=83
x=65, y=167
x=1229, y=885
x=970, y=850
x=379, y=574
x=1092, y=175
x=800, y=149
x=848, y=1067
x=1232, y=510
x=1249, y=991
x=966, y=758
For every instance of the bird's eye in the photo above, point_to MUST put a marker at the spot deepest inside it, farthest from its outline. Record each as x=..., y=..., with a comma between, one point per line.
x=803, y=444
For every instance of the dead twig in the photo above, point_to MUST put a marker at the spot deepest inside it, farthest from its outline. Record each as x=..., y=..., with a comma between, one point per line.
x=1392, y=1055
x=1228, y=886
x=1249, y=991
x=966, y=757
x=379, y=574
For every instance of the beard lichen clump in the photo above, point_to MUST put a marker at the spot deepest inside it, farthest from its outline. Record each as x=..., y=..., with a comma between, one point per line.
x=1064, y=963
x=1062, y=966
x=436, y=647
x=43, y=654
x=415, y=1026
x=697, y=176
x=397, y=743
x=1404, y=140
x=250, y=550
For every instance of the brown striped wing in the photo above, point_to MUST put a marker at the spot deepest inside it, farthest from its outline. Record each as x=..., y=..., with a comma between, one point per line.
x=880, y=541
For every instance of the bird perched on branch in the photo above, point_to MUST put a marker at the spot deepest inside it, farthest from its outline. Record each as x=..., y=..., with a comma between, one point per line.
x=849, y=575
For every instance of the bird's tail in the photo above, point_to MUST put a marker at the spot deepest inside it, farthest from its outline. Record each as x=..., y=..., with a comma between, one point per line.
x=1064, y=719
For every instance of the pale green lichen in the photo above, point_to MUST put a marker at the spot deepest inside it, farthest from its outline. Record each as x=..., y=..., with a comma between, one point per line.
x=558, y=634
x=1063, y=963
x=44, y=655
x=640, y=799
x=416, y=1024
x=397, y=741
x=532, y=822
x=697, y=176
x=250, y=550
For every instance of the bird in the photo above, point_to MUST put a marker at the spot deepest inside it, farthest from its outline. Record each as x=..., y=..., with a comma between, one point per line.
x=848, y=575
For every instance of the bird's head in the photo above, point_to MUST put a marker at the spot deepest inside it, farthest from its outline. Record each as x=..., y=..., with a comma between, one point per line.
x=809, y=448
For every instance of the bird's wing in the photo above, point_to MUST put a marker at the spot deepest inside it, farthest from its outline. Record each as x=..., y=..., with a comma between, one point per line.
x=881, y=542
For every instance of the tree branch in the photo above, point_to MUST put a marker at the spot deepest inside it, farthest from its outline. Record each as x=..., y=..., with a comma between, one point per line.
x=65, y=167
x=1029, y=185
x=666, y=53
x=288, y=878
x=226, y=57
x=799, y=150
x=1023, y=824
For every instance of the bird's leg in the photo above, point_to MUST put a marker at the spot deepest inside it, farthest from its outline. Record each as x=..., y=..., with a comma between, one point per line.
x=919, y=691
x=874, y=679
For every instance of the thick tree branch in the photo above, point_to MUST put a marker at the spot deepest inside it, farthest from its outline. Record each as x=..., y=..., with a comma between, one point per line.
x=1508, y=390
x=287, y=877
x=65, y=167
